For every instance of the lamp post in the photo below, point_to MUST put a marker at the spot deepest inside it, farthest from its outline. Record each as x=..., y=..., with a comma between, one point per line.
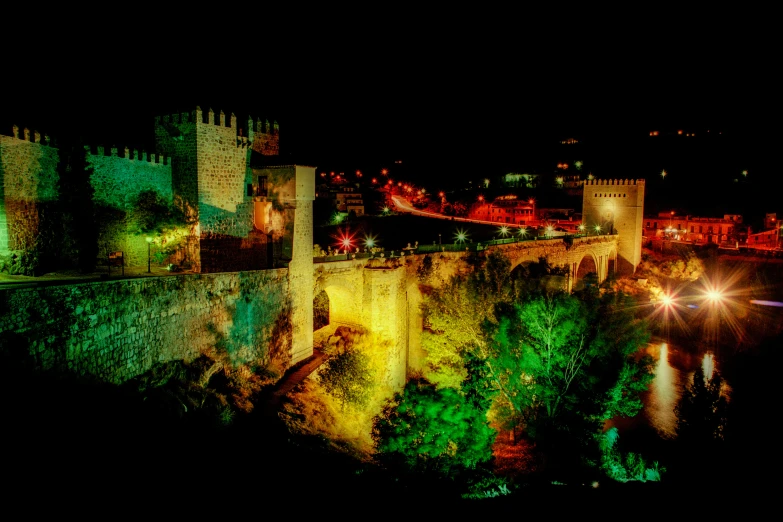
x=149, y=256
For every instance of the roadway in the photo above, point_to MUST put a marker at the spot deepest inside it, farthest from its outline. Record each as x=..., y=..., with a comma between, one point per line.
x=403, y=205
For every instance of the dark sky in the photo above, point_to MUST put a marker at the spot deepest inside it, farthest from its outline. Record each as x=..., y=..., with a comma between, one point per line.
x=450, y=101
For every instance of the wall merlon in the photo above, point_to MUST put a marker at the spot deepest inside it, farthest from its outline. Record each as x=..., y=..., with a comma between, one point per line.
x=614, y=182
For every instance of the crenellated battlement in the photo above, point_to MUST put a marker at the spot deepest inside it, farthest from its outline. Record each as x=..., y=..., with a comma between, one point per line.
x=184, y=117
x=264, y=136
x=263, y=126
x=31, y=136
x=129, y=154
x=614, y=182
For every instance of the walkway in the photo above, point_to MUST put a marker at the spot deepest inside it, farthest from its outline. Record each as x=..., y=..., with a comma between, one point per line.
x=295, y=375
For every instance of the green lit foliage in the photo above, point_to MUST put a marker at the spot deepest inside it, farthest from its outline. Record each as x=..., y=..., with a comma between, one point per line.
x=432, y=430
x=152, y=215
x=702, y=411
x=349, y=377
x=560, y=359
x=625, y=467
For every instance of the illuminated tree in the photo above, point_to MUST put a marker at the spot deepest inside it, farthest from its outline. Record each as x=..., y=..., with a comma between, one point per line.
x=565, y=364
x=348, y=376
x=455, y=314
x=431, y=429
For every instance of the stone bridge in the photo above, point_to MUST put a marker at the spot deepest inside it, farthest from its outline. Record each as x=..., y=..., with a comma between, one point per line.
x=381, y=297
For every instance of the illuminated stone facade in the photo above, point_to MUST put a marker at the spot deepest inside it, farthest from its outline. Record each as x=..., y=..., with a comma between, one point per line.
x=617, y=207
x=117, y=182
x=210, y=167
x=115, y=330
x=28, y=182
x=382, y=296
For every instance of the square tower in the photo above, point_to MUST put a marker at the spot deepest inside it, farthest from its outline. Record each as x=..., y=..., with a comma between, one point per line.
x=616, y=206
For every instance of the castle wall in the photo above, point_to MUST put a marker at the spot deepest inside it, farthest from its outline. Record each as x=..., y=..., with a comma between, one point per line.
x=117, y=182
x=618, y=207
x=265, y=137
x=28, y=179
x=115, y=330
x=175, y=137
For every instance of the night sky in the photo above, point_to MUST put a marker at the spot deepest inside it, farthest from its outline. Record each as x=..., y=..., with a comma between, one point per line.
x=451, y=103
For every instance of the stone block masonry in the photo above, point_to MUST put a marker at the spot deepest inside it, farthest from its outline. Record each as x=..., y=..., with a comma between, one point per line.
x=116, y=330
x=28, y=178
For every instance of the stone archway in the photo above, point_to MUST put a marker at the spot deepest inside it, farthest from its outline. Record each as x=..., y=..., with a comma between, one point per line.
x=587, y=272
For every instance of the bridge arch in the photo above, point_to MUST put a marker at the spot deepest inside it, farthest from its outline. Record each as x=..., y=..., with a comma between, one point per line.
x=344, y=307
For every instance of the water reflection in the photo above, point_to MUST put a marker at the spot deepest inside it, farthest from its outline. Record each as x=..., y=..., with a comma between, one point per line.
x=665, y=392
x=673, y=373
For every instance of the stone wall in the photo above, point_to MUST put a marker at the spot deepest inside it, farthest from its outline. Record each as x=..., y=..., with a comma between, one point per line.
x=115, y=330
x=28, y=179
x=117, y=182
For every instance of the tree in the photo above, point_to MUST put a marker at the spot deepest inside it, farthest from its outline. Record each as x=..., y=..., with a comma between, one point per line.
x=565, y=364
x=348, y=376
x=430, y=429
x=80, y=215
x=454, y=316
x=702, y=411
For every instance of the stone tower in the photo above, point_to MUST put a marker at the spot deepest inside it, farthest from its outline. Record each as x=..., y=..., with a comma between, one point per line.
x=212, y=180
x=617, y=207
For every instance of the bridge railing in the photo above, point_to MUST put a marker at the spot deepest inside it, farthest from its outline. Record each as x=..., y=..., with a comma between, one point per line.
x=447, y=247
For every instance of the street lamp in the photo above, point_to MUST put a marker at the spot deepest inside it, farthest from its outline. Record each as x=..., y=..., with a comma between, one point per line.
x=149, y=257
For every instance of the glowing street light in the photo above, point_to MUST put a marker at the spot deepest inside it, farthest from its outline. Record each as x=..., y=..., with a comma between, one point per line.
x=581, y=228
x=149, y=257
x=503, y=231
x=598, y=229
x=369, y=241
x=663, y=174
x=549, y=230
x=460, y=236
x=522, y=231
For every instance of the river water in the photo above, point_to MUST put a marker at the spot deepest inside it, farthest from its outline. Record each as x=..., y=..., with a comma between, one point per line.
x=674, y=371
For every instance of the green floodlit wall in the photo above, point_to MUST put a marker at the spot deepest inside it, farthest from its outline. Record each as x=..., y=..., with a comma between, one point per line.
x=116, y=330
x=117, y=182
x=28, y=179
